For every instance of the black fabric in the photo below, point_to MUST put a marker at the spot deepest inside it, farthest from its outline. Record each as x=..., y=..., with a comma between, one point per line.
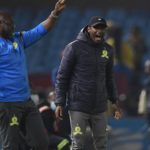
x=96, y=20
x=48, y=117
x=85, y=78
x=18, y=121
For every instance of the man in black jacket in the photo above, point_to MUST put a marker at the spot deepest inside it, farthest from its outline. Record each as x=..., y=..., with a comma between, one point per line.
x=85, y=82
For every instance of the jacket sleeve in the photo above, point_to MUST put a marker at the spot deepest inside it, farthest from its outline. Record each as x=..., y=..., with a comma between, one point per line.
x=33, y=35
x=64, y=75
x=110, y=81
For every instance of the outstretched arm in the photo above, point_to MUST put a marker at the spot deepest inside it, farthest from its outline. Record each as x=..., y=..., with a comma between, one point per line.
x=50, y=21
x=33, y=35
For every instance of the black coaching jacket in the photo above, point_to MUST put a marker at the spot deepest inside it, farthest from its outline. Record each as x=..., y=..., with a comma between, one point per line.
x=85, y=76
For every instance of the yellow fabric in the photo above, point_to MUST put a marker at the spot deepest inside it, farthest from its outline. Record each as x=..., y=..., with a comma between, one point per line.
x=127, y=55
x=62, y=144
x=111, y=42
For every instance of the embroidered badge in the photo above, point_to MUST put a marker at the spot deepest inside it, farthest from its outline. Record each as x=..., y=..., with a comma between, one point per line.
x=105, y=54
x=77, y=130
x=15, y=45
x=14, y=121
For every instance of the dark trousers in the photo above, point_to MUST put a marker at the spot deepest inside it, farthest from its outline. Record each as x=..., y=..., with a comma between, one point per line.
x=18, y=120
x=79, y=123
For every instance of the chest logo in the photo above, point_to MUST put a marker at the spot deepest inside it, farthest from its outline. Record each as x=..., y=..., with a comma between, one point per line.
x=15, y=45
x=14, y=121
x=105, y=54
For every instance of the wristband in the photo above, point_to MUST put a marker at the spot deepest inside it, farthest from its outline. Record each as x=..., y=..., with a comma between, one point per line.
x=54, y=16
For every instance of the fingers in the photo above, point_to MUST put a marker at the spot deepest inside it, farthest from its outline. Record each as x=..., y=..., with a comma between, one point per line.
x=59, y=113
x=61, y=1
x=59, y=6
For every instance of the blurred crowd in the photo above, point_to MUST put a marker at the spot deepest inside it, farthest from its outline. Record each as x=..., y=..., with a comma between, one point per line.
x=129, y=62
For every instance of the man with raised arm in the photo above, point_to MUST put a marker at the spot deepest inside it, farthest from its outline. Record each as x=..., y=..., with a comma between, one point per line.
x=16, y=107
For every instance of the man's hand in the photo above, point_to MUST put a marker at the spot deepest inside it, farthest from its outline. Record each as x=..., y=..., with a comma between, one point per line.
x=50, y=21
x=59, y=112
x=117, y=112
x=59, y=6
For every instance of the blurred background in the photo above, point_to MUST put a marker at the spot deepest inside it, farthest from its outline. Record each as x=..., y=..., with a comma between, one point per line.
x=128, y=32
